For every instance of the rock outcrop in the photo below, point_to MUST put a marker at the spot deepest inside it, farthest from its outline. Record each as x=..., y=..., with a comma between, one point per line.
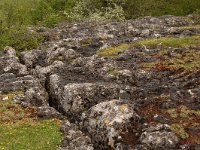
x=130, y=85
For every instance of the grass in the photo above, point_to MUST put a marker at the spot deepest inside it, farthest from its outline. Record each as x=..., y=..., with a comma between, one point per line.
x=186, y=42
x=192, y=41
x=38, y=135
x=21, y=130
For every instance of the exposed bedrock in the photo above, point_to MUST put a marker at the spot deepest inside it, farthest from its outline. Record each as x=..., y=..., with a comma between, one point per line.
x=130, y=85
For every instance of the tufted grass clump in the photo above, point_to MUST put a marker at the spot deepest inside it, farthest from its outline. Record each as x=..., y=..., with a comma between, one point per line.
x=192, y=41
x=113, y=51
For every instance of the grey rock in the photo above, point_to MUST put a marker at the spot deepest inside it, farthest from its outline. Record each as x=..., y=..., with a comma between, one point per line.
x=45, y=112
x=105, y=121
x=159, y=138
x=74, y=138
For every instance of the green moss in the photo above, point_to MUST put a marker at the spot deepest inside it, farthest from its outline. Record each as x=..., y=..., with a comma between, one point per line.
x=86, y=42
x=71, y=60
x=173, y=113
x=183, y=112
x=113, y=72
x=113, y=51
x=179, y=130
x=170, y=42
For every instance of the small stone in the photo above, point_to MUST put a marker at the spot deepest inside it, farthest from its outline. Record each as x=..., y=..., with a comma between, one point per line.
x=161, y=119
x=5, y=98
x=158, y=138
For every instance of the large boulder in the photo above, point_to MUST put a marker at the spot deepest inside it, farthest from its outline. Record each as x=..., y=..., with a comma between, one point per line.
x=110, y=124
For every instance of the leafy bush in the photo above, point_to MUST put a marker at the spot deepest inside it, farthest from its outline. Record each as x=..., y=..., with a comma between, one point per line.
x=197, y=16
x=20, y=39
x=84, y=10
x=15, y=15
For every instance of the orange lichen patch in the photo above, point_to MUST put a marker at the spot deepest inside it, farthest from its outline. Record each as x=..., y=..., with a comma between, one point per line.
x=106, y=121
x=181, y=118
x=124, y=108
x=11, y=112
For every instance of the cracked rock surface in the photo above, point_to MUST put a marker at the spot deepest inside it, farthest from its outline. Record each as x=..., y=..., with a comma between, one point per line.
x=130, y=85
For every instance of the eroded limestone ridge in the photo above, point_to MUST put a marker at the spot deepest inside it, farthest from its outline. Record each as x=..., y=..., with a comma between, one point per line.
x=130, y=85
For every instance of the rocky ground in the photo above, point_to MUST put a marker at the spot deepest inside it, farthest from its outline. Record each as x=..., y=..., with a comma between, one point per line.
x=132, y=85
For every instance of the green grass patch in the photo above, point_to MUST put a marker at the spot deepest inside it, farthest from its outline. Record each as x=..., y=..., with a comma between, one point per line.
x=20, y=128
x=170, y=42
x=39, y=135
x=113, y=51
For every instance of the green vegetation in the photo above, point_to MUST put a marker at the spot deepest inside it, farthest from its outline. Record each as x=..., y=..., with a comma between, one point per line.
x=17, y=15
x=43, y=135
x=113, y=72
x=180, y=131
x=21, y=130
x=20, y=39
x=183, y=112
x=113, y=51
x=170, y=42
x=181, y=119
x=188, y=60
x=86, y=42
